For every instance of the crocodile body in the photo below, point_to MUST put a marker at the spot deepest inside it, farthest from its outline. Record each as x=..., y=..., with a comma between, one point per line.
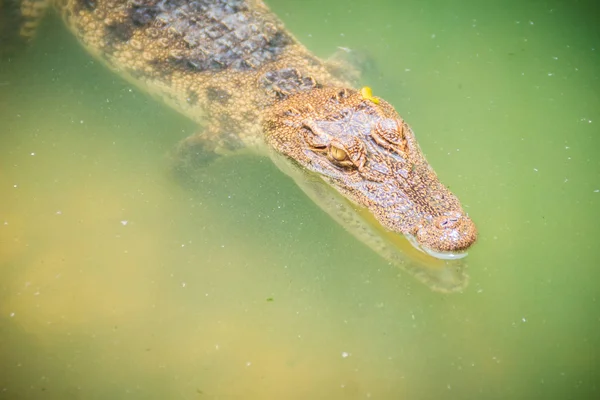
x=220, y=63
x=231, y=66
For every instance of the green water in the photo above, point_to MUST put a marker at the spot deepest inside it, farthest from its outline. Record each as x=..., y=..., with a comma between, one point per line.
x=117, y=282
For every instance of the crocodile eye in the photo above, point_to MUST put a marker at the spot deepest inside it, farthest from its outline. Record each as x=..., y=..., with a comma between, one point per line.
x=390, y=130
x=337, y=153
x=389, y=134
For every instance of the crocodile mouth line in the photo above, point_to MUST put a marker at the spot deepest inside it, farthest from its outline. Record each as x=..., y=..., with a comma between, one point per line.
x=442, y=255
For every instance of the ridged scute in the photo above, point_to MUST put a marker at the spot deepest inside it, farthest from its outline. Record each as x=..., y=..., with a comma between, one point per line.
x=204, y=35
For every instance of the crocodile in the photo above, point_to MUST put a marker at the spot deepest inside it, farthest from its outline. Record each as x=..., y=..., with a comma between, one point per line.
x=231, y=66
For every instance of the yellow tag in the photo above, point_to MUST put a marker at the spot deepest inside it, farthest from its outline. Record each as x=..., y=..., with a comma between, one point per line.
x=367, y=94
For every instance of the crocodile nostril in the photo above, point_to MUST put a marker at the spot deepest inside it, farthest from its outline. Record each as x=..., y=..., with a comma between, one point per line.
x=447, y=222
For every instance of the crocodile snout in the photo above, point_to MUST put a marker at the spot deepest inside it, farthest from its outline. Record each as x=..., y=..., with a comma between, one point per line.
x=447, y=235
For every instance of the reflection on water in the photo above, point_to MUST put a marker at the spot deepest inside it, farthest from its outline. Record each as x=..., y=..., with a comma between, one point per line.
x=116, y=281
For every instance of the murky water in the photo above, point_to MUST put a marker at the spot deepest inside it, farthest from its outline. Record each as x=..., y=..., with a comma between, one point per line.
x=117, y=282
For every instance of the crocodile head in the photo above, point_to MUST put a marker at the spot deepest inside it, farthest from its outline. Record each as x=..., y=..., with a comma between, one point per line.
x=361, y=147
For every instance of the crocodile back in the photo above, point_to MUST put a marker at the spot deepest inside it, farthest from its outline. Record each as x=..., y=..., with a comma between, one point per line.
x=204, y=35
x=221, y=59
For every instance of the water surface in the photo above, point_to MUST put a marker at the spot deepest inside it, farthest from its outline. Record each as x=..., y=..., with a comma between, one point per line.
x=119, y=282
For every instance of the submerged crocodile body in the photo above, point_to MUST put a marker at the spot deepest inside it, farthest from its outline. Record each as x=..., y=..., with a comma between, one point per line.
x=231, y=66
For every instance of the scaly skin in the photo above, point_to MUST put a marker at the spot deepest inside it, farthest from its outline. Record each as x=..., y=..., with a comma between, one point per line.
x=361, y=147
x=221, y=63
x=232, y=67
